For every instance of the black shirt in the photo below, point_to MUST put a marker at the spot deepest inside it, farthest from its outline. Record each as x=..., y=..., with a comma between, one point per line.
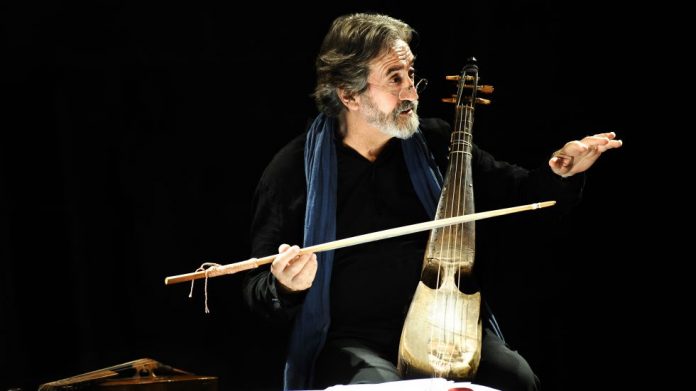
x=372, y=283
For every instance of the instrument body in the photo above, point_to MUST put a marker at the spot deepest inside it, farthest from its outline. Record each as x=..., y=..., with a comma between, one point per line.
x=143, y=374
x=442, y=332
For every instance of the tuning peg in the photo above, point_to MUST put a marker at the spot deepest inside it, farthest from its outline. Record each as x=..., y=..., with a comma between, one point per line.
x=486, y=89
x=482, y=101
x=458, y=77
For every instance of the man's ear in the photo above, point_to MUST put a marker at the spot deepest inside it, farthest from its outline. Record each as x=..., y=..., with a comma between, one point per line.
x=349, y=99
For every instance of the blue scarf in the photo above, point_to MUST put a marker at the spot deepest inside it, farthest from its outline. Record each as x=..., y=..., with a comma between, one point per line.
x=312, y=323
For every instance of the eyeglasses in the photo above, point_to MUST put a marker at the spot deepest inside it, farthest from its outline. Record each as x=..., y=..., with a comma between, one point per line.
x=403, y=92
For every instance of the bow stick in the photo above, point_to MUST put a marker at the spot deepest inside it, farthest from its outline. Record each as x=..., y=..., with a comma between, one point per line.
x=253, y=263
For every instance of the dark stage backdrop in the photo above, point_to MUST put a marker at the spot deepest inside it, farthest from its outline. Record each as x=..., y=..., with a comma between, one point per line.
x=133, y=137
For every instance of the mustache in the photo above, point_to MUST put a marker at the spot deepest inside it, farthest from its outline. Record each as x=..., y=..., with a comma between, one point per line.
x=407, y=105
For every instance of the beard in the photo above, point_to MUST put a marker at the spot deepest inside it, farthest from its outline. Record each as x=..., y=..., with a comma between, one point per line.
x=393, y=124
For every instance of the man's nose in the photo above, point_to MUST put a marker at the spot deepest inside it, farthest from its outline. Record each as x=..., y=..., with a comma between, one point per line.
x=409, y=92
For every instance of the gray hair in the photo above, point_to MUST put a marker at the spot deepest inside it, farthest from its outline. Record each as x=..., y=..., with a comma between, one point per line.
x=349, y=46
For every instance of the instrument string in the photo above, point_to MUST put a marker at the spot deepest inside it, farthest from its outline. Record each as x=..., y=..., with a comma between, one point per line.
x=459, y=230
x=455, y=233
x=455, y=236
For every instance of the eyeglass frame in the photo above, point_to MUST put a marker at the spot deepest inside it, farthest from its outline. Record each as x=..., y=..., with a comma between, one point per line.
x=418, y=86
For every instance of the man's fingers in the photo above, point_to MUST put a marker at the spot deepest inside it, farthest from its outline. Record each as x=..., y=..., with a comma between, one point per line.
x=572, y=148
x=614, y=144
x=286, y=254
x=609, y=135
x=589, y=144
x=577, y=156
x=306, y=275
x=296, y=265
x=560, y=161
x=594, y=140
x=609, y=145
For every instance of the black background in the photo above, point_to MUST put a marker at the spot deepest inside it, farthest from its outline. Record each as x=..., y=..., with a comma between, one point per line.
x=133, y=137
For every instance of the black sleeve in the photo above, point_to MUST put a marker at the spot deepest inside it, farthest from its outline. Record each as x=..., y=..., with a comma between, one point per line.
x=277, y=217
x=500, y=184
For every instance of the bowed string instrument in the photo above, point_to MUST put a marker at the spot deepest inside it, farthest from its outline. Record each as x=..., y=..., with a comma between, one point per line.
x=442, y=332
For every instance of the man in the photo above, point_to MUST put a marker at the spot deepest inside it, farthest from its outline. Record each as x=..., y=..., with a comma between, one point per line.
x=369, y=163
